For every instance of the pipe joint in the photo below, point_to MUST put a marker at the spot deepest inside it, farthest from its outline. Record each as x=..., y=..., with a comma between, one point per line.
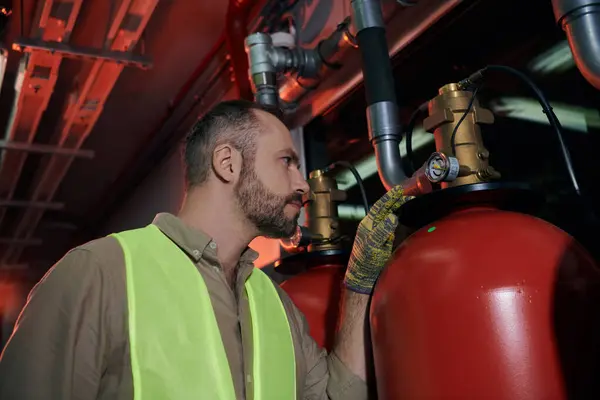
x=266, y=61
x=367, y=14
x=258, y=48
x=580, y=19
x=263, y=74
x=564, y=7
x=383, y=122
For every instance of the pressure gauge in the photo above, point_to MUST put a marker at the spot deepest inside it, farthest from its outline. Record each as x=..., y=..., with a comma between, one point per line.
x=441, y=168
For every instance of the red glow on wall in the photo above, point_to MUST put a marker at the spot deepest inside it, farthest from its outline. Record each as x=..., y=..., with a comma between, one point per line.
x=10, y=297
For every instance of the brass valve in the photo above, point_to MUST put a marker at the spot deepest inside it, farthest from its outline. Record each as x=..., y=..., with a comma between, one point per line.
x=445, y=111
x=321, y=210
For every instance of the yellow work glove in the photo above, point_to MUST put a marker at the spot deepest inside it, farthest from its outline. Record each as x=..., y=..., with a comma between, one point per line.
x=373, y=242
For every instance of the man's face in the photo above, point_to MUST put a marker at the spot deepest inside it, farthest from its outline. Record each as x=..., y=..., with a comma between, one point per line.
x=269, y=191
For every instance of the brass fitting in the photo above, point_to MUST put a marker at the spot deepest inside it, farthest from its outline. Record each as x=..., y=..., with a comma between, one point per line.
x=322, y=218
x=445, y=110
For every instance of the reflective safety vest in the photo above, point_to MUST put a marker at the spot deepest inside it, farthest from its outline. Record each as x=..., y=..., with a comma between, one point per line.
x=176, y=346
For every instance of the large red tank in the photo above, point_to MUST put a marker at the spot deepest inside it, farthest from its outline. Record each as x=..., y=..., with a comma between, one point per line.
x=487, y=304
x=317, y=294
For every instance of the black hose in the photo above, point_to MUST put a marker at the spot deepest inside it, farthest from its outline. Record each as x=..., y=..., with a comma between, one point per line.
x=359, y=181
x=460, y=121
x=376, y=66
x=546, y=108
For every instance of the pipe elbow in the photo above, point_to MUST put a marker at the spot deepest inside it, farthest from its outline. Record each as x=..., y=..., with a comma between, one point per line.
x=389, y=162
x=580, y=19
x=384, y=132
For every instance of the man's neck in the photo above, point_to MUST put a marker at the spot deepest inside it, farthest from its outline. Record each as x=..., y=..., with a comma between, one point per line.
x=218, y=217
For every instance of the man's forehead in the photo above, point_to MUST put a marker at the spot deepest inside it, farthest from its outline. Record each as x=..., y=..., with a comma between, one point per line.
x=267, y=118
x=272, y=129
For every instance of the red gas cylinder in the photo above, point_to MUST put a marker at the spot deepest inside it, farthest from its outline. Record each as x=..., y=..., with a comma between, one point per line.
x=487, y=304
x=316, y=293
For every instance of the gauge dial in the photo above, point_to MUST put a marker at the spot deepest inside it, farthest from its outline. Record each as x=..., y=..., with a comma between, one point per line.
x=441, y=168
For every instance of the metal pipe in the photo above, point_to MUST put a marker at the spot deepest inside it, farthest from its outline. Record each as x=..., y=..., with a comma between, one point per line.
x=404, y=33
x=266, y=60
x=326, y=56
x=29, y=45
x=382, y=108
x=309, y=65
x=580, y=19
x=263, y=71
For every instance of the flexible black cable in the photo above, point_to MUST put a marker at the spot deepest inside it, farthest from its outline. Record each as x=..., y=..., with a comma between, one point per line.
x=546, y=108
x=460, y=121
x=359, y=181
x=408, y=136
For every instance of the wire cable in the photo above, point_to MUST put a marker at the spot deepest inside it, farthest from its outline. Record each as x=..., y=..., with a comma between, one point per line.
x=460, y=121
x=546, y=108
x=359, y=181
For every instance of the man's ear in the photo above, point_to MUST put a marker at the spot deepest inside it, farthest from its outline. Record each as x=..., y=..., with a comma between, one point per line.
x=226, y=163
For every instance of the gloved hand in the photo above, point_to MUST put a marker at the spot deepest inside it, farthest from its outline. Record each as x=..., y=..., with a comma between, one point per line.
x=373, y=242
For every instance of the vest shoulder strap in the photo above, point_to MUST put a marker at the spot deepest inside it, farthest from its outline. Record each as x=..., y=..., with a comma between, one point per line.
x=173, y=354
x=274, y=361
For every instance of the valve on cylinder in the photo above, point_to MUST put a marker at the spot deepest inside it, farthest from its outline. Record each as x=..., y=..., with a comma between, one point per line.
x=461, y=157
x=321, y=211
x=320, y=258
x=322, y=221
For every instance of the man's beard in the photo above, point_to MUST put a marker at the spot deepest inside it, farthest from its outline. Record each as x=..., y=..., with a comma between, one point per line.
x=263, y=208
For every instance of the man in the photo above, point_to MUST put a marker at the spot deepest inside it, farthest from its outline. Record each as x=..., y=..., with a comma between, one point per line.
x=129, y=316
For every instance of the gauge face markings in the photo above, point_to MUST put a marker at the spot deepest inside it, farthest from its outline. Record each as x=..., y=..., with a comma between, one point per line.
x=437, y=167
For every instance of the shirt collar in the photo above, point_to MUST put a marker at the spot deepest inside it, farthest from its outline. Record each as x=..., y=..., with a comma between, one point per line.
x=192, y=241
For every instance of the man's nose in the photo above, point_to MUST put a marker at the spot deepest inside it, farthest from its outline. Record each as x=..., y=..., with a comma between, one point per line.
x=300, y=184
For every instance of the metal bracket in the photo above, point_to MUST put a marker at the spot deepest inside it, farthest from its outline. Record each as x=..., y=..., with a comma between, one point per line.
x=45, y=149
x=70, y=51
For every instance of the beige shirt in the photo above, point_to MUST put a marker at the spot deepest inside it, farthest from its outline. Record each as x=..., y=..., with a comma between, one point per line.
x=72, y=342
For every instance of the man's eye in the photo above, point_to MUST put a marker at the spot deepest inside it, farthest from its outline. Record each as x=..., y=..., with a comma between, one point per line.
x=287, y=160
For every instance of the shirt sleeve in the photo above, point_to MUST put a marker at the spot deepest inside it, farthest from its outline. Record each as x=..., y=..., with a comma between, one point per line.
x=327, y=377
x=57, y=348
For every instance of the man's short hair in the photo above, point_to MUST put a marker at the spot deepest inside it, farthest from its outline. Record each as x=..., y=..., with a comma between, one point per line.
x=234, y=122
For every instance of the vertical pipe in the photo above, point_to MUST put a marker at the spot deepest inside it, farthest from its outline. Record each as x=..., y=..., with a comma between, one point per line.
x=382, y=108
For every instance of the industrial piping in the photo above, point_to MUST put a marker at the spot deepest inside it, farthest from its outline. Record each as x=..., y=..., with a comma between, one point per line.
x=580, y=19
x=382, y=108
x=310, y=65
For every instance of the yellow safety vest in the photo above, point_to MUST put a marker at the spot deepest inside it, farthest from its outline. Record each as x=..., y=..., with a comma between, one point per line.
x=176, y=346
